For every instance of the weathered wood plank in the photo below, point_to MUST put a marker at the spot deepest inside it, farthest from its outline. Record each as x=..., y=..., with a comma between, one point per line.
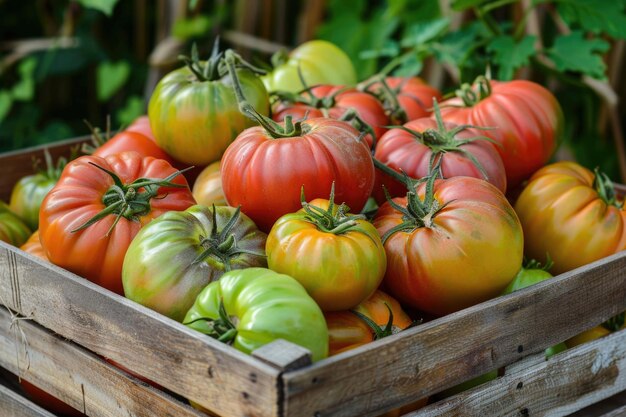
x=186, y=362
x=78, y=377
x=14, y=405
x=429, y=358
x=618, y=412
x=559, y=386
x=14, y=165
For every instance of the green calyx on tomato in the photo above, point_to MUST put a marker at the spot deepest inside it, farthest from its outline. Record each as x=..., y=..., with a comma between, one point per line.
x=276, y=130
x=125, y=200
x=221, y=328
x=606, y=191
x=469, y=96
x=223, y=245
x=379, y=332
x=335, y=219
x=417, y=213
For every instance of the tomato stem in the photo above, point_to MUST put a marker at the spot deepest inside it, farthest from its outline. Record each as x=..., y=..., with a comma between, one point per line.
x=468, y=94
x=221, y=328
x=604, y=186
x=379, y=332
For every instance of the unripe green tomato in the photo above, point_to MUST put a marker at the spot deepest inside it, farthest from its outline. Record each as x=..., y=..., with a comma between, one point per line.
x=12, y=229
x=27, y=196
x=320, y=62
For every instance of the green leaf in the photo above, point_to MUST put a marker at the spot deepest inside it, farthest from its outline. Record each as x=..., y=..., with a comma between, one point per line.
x=575, y=53
x=5, y=104
x=133, y=108
x=389, y=49
x=460, y=5
x=597, y=16
x=111, y=76
x=510, y=55
x=194, y=27
x=104, y=6
x=422, y=32
x=409, y=66
x=456, y=47
x=24, y=89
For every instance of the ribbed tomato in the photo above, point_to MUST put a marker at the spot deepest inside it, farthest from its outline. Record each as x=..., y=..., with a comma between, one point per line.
x=33, y=246
x=12, y=229
x=572, y=215
x=437, y=241
x=89, y=218
x=207, y=189
x=527, y=118
x=334, y=102
x=420, y=144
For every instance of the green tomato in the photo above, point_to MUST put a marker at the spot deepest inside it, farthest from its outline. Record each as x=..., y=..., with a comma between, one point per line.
x=525, y=278
x=176, y=255
x=553, y=350
x=320, y=62
x=194, y=113
x=252, y=307
x=12, y=229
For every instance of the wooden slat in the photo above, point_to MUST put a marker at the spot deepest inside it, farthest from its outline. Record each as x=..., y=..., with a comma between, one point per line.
x=14, y=405
x=17, y=164
x=565, y=383
x=78, y=377
x=429, y=358
x=618, y=412
x=187, y=362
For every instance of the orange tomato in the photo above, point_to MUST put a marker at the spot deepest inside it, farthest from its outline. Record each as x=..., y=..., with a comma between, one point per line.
x=33, y=246
x=207, y=190
x=587, y=336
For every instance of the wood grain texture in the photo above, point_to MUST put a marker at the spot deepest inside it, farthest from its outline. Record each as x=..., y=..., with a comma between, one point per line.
x=80, y=378
x=14, y=405
x=437, y=355
x=15, y=165
x=182, y=360
x=563, y=384
x=284, y=355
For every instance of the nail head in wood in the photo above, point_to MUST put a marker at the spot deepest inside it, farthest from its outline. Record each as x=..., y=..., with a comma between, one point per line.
x=284, y=355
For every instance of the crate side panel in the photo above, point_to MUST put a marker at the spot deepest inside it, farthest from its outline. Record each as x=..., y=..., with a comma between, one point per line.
x=14, y=405
x=559, y=386
x=437, y=355
x=182, y=360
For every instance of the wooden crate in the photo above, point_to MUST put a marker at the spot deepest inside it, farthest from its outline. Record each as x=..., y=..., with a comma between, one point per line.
x=57, y=327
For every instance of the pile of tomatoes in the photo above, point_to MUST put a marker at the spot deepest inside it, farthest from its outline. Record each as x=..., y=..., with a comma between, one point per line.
x=308, y=216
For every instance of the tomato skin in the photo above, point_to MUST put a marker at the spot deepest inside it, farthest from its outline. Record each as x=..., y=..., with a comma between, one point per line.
x=160, y=271
x=195, y=121
x=413, y=94
x=338, y=270
x=27, y=196
x=321, y=62
x=207, y=189
x=401, y=151
x=442, y=269
x=33, y=246
x=78, y=196
x=141, y=125
x=132, y=141
x=366, y=105
x=268, y=306
x=526, y=278
x=528, y=121
x=265, y=175
x=347, y=331
x=12, y=229
x=564, y=216
x=48, y=401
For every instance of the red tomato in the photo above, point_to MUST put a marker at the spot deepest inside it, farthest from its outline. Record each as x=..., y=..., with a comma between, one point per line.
x=334, y=101
x=141, y=125
x=136, y=190
x=416, y=152
x=437, y=241
x=265, y=174
x=411, y=98
x=132, y=141
x=33, y=246
x=527, y=119
x=347, y=330
x=48, y=401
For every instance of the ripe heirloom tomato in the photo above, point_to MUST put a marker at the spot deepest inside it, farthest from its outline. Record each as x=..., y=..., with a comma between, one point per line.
x=437, y=241
x=571, y=215
x=336, y=256
x=99, y=204
x=141, y=125
x=404, y=98
x=194, y=114
x=320, y=62
x=175, y=256
x=348, y=330
x=251, y=307
x=527, y=117
x=33, y=246
x=30, y=191
x=12, y=229
x=416, y=147
x=207, y=189
x=265, y=168
x=334, y=102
